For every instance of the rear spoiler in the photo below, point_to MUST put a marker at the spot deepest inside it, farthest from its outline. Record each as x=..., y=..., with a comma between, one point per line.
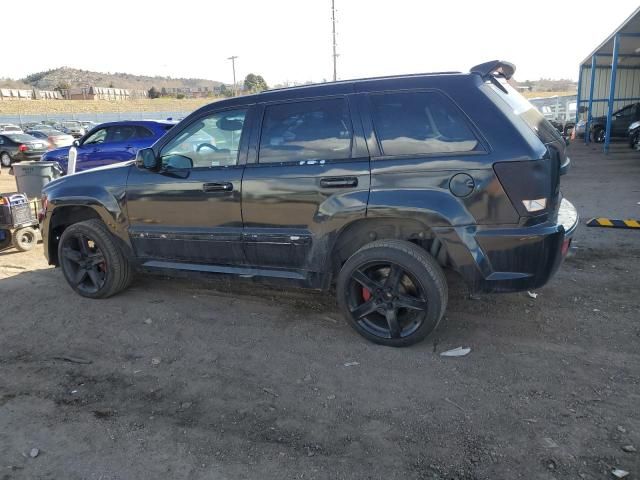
x=495, y=68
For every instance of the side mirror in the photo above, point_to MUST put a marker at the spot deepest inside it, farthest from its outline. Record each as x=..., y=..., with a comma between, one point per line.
x=178, y=162
x=146, y=158
x=76, y=143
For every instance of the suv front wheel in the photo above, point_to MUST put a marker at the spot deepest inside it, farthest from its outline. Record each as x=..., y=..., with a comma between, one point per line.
x=392, y=292
x=93, y=263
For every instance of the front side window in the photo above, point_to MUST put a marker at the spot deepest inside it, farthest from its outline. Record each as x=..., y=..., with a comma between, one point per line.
x=420, y=123
x=213, y=141
x=99, y=136
x=303, y=131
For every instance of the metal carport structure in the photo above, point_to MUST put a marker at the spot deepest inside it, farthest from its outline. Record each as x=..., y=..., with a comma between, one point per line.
x=609, y=77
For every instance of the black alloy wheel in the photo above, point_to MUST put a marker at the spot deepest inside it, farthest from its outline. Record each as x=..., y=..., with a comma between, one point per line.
x=392, y=292
x=84, y=263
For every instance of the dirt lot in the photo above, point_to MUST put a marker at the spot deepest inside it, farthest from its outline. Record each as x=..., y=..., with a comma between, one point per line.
x=218, y=380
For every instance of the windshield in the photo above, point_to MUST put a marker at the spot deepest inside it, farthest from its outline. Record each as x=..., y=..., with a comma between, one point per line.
x=527, y=112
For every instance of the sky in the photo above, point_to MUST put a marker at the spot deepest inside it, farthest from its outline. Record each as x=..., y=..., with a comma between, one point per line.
x=290, y=40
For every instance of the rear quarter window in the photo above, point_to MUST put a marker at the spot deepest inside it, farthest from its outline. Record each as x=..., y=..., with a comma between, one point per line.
x=420, y=123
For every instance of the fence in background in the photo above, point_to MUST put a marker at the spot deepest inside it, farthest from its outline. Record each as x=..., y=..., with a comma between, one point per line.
x=94, y=117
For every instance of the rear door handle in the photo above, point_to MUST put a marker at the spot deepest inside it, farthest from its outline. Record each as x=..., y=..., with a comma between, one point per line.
x=338, y=182
x=217, y=187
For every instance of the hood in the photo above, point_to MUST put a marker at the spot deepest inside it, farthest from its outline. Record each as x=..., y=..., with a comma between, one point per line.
x=107, y=176
x=57, y=154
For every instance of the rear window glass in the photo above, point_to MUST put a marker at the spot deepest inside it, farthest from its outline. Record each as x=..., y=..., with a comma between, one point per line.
x=527, y=112
x=420, y=123
x=310, y=130
x=18, y=138
x=143, y=132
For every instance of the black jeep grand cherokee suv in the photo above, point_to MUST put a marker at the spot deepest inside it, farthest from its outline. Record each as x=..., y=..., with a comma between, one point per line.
x=377, y=184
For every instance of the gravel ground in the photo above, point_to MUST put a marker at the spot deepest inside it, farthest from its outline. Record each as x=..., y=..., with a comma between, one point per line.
x=179, y=378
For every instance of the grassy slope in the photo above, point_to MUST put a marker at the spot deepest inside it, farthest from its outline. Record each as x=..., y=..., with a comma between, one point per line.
x=82, y=106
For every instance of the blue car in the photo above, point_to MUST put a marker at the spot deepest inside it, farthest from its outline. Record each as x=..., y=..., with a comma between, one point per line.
x=109, y=143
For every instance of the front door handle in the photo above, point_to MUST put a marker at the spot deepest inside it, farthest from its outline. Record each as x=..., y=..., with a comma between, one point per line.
x=338, y=182
x=217, y=187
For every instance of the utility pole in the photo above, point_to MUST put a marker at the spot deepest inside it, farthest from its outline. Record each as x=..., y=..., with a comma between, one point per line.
x=233, y=66
x=335, y=54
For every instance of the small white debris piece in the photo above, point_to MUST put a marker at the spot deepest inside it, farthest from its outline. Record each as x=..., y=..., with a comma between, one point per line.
x=351, y=364
x=148, y=321
x=34, y=452
x=156, y=361
x=616, y=472
x=74, y=391
x=629, y=448
x=270, y=391
x=532, y=295
x=331, y=397
x=621, y=429
x=456, y=352
x=549, y=442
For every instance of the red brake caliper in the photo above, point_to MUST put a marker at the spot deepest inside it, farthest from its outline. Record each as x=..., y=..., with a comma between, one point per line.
x=366, y=294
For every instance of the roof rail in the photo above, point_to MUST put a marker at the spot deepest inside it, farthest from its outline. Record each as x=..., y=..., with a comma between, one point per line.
x=495, y=67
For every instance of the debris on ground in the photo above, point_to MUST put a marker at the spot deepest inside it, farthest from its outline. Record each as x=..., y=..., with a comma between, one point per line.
x=629, y=448
x=34, y=452
x=532, y=295
x=616, y=472
x=549, y=442
x=456, y=352
x=331, y=397
x=156, y=361
x=307, y=377
x=148, y=321
x=351, y=364
x=72, y=359
x=270, y=391
x=621, y=429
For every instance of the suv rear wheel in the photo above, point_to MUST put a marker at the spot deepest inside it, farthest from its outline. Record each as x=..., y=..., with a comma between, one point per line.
x=598, y=134
x=91, y=260
x=392, y=292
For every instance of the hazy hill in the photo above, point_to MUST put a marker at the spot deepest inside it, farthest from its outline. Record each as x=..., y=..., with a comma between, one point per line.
x=73, y=77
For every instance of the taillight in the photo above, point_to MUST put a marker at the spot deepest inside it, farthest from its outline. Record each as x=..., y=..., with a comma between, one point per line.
x=23, y=148
x=531, y=184
x=565, y=246
x=45, y=202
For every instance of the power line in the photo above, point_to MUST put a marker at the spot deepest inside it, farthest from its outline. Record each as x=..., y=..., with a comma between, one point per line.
x=233, y=66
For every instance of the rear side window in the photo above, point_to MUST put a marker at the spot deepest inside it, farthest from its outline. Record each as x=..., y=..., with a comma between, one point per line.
x=302, y=131
x=420, y=123
x=121, y=133
x=143, y=132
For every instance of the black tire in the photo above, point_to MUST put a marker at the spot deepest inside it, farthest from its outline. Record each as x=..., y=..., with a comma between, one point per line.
x=417, y=295
x=6, y=239
x=93, y=263
x=598, y=134
x=633, y=141
x=568, y=130
x=5, y=160
x=24, y=239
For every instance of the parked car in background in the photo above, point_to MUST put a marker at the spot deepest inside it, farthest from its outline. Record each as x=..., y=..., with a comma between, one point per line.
x=620, y=122
x=374, y=185
x=17, y=147
x=634, y=135
x=54, y=138
x=110, y=143
x=580, y=128
x=73, y=128
x=88, y=125
x=10, y=128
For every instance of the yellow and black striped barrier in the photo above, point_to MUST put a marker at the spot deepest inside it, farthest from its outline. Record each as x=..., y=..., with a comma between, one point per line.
x=613, y=223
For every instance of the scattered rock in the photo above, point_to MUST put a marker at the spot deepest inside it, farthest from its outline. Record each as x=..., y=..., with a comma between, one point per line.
x=331, y=397
x=148, y=321
x=34, y=452
x=156, y=361
x=549, y=442
x=621, y=429
x=307, y=377
x=351, y=364
x=185, y=405
x=629, y=448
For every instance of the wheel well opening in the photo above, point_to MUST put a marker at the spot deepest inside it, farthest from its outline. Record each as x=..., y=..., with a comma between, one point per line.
x=61, y=219
x=358, y=234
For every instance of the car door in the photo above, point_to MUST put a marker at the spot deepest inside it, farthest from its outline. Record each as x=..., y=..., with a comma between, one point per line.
x=190, y=210
x=307, y=177
x=88, y=152
x=622, y=119
x=119, y=146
